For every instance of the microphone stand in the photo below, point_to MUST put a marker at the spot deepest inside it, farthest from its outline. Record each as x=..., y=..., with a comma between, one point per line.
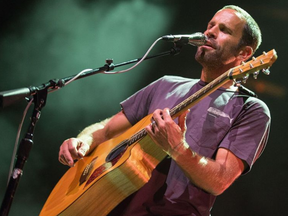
x=39, y=98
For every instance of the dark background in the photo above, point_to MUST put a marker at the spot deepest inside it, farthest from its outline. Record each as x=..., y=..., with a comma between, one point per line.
x=42, y=40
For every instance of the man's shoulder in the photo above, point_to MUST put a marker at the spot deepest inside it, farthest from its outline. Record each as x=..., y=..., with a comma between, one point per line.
x=258, y=101
x=254, y=103
x=177, y=79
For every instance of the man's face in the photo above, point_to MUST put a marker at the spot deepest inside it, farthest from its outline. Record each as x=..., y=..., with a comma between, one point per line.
x=224, y=32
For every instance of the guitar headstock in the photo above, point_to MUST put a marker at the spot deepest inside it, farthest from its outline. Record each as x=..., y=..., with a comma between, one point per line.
x=262, y=62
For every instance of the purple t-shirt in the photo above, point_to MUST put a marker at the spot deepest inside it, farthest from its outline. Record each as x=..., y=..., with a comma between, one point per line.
x=223, y=119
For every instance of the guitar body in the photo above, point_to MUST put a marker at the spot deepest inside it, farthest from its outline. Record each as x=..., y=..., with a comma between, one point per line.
x=94, y=186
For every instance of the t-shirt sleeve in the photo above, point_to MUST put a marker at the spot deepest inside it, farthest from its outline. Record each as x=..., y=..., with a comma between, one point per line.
x=249, y=134
x=137, y=106
x=160, y=94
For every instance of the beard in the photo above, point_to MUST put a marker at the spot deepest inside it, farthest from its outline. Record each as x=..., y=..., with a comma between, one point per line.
x=208, y=59
x=214, y=59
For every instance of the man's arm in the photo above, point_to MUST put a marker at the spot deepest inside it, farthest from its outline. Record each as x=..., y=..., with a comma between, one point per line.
x=213, y=176
x=76, y=148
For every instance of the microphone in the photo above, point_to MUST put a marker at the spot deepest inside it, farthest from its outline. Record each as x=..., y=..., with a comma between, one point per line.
x=195, y=39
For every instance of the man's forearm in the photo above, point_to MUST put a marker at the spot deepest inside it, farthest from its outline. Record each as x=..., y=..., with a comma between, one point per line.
x=98, y=133
x=213, y=176
x=94, y=134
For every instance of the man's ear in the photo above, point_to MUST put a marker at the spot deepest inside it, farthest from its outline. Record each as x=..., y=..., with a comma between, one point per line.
x=245, y=53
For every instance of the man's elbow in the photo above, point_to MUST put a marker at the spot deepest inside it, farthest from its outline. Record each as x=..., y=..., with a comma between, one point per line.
x=219, y=188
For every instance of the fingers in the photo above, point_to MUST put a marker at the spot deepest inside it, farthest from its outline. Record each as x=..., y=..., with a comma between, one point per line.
x=166, y=114
x=83, y=148
x=182, y=121
x=158, y=120
x=162, y=117
x=66, y=151
x=72, y=149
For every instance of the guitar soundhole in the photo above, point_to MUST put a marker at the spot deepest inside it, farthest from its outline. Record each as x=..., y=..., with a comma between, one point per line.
x=118, y=150
x=86, y=172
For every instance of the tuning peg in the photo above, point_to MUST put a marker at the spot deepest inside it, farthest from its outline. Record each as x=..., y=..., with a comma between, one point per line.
x=245, y=78
x=266, y=71
x=255, y=74
x=237, y=83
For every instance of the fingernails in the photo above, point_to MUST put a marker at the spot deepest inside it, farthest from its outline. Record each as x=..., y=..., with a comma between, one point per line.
x=82, y=152
x=71, y=164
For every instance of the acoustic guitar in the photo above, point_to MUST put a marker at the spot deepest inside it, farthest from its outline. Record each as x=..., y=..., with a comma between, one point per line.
x=121, y=166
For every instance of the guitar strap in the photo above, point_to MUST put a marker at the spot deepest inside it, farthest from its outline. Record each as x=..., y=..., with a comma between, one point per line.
x=247, y=91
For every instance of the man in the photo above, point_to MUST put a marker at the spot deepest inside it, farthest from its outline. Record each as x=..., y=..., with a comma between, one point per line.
x=208, y=147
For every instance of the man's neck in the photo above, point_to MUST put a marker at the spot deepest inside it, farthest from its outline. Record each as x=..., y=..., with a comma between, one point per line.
x=209, y=75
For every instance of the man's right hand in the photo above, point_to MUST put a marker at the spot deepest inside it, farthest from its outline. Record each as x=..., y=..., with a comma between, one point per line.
x=72, y=149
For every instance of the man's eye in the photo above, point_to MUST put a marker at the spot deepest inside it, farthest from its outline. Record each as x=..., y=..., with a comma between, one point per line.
x=210, y=26
x=225, y=30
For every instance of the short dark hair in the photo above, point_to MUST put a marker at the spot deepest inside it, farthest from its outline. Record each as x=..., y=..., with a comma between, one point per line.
x=251, y=35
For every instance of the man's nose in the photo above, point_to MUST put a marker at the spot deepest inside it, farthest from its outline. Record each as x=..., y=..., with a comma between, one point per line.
x=211, y=32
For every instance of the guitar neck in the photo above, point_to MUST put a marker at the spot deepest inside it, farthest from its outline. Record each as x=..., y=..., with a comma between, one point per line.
x=199, y=95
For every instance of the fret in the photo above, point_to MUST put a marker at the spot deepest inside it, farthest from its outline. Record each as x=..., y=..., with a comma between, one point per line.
x=139, y=135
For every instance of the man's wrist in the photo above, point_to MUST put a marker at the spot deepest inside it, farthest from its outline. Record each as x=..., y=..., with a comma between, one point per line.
x=87, y=139
x=180, y=150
